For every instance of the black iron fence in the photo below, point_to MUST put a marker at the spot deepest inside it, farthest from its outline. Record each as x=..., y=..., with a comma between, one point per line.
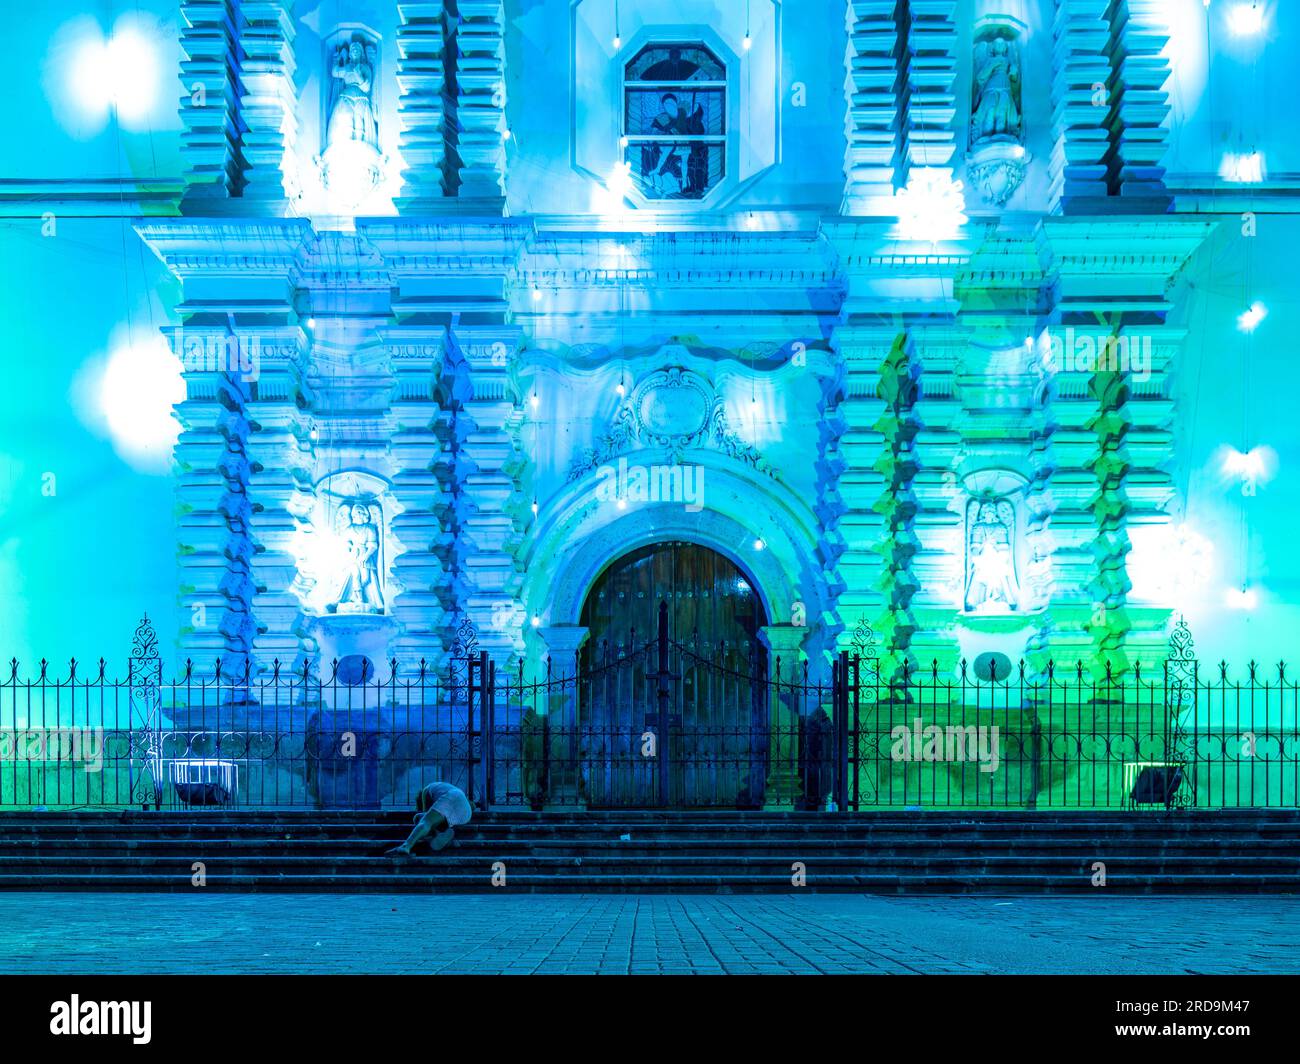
x=1068, y=739
x=657, y=724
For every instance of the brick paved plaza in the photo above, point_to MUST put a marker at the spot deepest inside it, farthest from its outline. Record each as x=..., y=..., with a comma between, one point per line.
x=129, y=933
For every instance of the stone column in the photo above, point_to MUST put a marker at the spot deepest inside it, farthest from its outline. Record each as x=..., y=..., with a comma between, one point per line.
x=870, y=88
x=421, y=79
x=561, y=775
x=267, y=107
x=784, y=643
x=209, y=101
x=489, y=503
x=1082, y=90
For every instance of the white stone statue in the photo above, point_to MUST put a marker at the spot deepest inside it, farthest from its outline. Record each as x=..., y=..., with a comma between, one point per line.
x=359, y=526
x=991, y=584
x=352, y=105
x=996, y=111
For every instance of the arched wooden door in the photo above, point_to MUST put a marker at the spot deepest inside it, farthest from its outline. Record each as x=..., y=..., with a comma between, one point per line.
x=715, y=749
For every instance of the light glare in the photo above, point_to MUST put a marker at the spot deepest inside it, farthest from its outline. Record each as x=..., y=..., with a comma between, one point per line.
x=1246, y=19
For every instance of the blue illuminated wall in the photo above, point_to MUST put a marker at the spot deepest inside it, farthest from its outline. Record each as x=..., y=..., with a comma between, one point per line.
x=84, y=553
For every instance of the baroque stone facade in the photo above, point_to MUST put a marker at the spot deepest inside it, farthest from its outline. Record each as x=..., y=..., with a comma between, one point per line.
x=876, y=425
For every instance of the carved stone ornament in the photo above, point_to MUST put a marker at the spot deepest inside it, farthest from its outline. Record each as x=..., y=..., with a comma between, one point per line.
x=351, y=164
x=997, y=160
x=674, y=409
x=343, y=560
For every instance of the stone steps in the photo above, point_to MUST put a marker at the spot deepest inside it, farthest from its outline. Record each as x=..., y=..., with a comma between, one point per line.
x=1002, y=851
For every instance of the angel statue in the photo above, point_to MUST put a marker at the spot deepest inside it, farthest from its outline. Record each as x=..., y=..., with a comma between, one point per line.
x=996, y=112
x=358, y=527
x=352, y=107
x=990, y=556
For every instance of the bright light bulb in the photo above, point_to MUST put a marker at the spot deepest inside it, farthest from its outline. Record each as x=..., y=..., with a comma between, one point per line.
x=749, y=42
x=1246, y=19
x=1255, y=466
x=1242, y=168
x=140, y=385
x=536, y=620
x=1249, y=321
x=352, y=170
x=1245, y=598
x=118, y=75
x=759, y=544
x=536, y=400
x=537, y=294
x=621, y=389
x=618, y=42
x=931, y=206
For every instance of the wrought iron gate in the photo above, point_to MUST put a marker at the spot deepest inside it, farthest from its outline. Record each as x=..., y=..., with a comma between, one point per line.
x=664, y=723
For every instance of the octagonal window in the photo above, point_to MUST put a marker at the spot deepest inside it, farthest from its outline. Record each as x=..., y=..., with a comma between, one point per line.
x=674, y=121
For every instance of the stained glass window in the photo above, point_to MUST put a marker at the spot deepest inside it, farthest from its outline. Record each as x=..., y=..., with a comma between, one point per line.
x=675, y=120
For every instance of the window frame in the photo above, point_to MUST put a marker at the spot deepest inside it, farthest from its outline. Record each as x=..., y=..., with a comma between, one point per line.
x=685, y=38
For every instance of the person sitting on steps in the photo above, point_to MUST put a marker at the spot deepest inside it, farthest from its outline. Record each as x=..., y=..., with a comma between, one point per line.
x=440, y=809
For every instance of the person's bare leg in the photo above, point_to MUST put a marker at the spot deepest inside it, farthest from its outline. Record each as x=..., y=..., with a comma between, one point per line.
x=431, y=823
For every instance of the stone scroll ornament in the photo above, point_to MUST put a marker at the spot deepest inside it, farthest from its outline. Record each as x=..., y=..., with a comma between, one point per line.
x=997, y=161
x=674, y=409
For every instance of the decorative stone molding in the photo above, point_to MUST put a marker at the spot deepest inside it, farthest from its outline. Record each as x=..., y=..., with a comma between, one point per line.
x=268, y=106
x=1082, y=95
x=209, y=100
x=479, y=97
x=871, y=157
x=487, y=471
x=421, y=81
x=676, y=410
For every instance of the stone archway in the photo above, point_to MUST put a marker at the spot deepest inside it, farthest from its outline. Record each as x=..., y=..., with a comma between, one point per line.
x=754, y=522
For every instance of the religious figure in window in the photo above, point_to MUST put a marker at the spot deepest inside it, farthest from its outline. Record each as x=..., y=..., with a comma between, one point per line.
x=675, y=121
x=991, y=585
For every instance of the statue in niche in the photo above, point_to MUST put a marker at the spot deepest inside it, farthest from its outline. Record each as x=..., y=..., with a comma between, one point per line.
x=996, y=160
x=358, y=525
x=991, y=585
x=352, y=104
x=996, y=111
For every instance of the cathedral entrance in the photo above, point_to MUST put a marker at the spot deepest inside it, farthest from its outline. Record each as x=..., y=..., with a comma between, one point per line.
x=672, y=700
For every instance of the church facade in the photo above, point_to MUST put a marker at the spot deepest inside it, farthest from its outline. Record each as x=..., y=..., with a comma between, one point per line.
x=481, y=304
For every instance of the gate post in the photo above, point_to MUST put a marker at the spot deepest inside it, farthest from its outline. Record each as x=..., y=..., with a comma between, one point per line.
x=785, y=687
x=489, y=734
x=663, y=695
x=842, y=734
x=561, y=750
x=144, y=691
